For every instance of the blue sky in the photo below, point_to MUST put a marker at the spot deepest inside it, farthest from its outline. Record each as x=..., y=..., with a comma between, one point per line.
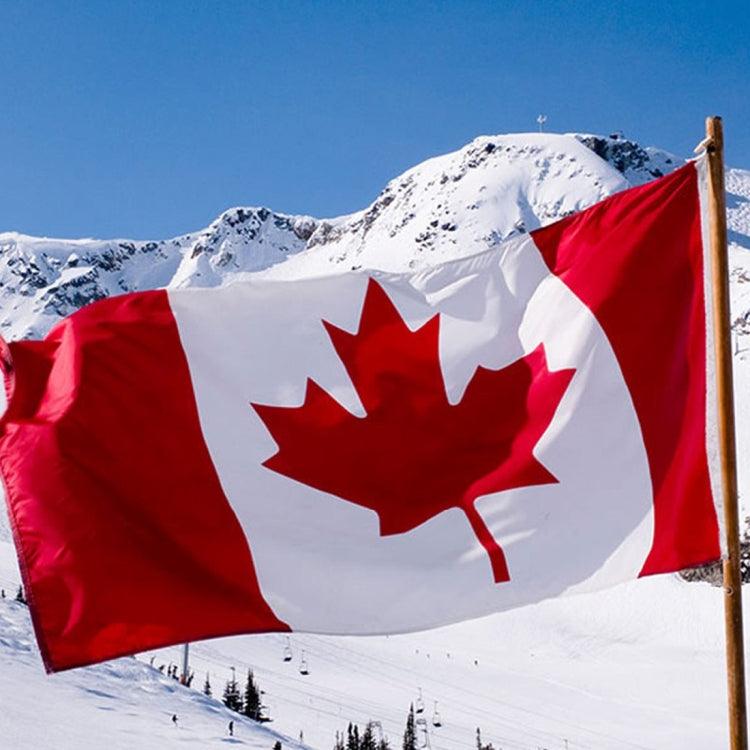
x=146, y=119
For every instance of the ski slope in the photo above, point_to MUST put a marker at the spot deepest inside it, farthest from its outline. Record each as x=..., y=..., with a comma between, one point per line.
x=121, y=705
x=639, y=666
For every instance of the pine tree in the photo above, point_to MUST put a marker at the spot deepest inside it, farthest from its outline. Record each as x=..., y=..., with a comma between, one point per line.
x=251, y=706
x=383, y=744
x=207, y=686
x=410, y=734
x=480, y=746
x=368, y=738
x=339, y=744
x=352, y=737
x=232, y=698
x=277, y=745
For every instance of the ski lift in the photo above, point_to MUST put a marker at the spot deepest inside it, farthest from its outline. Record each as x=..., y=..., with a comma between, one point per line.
x=303, y=665
x=288, y=650
x=423, y=733
x=419, y=705
x=263, y=714
x=436, y=722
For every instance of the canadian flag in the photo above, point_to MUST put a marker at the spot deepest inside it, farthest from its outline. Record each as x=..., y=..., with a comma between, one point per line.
x=370, y=452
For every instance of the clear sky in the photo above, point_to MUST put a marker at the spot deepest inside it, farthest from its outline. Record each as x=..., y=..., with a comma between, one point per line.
x=145, y=119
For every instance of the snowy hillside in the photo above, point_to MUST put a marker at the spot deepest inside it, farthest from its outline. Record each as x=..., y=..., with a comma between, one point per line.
x=640, y=666
x=42, y=280
x=452, y=205
x=119, y=705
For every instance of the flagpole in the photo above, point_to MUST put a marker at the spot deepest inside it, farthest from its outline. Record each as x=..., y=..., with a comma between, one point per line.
x=714, y=145
x=185, y=664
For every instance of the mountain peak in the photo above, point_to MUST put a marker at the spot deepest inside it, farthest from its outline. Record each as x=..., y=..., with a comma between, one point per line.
x=636, y=163
x=451, y=205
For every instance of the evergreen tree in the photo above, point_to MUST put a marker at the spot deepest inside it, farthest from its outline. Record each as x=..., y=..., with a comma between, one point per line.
x=20, y=596
x=480, y=746
x=352, y=737
x=232, y=698
x=410, y=733
x=339, y=744
x=207, y=686
x=383, y=744
x=277, y=745
x=251, y=706
x=368, y=738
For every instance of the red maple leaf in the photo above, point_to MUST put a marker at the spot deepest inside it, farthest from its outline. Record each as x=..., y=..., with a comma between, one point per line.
x=415, y=454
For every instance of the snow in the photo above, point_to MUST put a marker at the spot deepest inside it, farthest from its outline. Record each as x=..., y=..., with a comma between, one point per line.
x=120, y=705
x=639, y=666
x=584, y=684
x=461, y=203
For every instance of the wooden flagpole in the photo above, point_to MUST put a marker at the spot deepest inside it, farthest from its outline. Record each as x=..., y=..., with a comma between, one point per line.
x=714, y=145
x=185, y=664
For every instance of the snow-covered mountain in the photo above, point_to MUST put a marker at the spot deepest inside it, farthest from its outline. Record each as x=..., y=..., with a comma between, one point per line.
x=42, y=280
x=640, y=666
x=452, y=205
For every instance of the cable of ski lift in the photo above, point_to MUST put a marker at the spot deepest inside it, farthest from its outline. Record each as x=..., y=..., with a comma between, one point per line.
x=473, y=709
x=530, y=730
x=457, y=741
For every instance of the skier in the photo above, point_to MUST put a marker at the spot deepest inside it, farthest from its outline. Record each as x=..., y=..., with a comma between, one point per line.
x=174, y=719
x=231, y=728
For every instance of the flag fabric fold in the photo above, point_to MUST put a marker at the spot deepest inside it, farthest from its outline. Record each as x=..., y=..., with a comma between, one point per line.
x=370, y=452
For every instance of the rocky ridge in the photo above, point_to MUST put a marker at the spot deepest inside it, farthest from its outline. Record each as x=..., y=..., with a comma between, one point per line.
x=452, y=205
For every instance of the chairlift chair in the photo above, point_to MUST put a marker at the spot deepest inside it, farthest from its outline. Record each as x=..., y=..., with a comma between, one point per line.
x=263, y=714
x=436, y=721
x=422, y=733
x=419, y=705
x=288, y=650
x=303, y=670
